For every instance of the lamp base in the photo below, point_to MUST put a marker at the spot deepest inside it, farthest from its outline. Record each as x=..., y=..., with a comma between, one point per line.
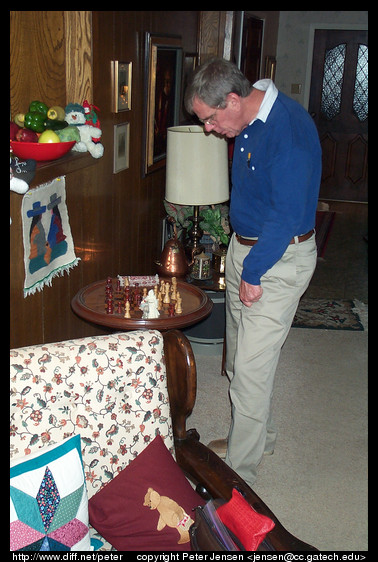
x=193, y=247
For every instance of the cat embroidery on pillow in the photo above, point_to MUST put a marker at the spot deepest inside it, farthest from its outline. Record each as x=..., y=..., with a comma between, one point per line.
x=171, y=514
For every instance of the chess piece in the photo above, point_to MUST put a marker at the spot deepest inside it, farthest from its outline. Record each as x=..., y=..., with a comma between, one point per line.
x=162, y=287
x=127, y=310
x=167, y=298
x=108, y=292
x=137, y=295
x=171, y=309
x=152, y=303
x=178, y=307
x=144, y=308
x=160, y=301
x=127, y=293
x=109, y=306
x=174, y=288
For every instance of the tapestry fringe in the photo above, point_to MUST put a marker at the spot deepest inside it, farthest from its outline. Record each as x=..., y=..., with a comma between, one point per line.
x=59, y=272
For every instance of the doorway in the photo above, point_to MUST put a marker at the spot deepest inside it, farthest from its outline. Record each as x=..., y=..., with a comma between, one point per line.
x=252, y=38
x=339, y=106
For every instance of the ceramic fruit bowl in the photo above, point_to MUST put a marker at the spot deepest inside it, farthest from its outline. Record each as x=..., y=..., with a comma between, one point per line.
x=41, y=151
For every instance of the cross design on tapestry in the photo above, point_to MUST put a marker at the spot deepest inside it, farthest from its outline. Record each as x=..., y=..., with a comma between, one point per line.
x=44, y=249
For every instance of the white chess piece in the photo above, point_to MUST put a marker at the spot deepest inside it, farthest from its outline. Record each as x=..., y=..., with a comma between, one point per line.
x=152, y=302
x=144, y=307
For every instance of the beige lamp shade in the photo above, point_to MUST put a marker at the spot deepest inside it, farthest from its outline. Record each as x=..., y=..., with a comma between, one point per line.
x=197, y=167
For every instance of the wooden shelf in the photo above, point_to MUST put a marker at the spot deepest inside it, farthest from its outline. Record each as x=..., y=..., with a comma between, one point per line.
x=47, y=171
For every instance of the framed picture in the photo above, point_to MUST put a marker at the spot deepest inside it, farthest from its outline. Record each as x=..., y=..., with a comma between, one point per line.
x=121, y=147
x=163, y=69
x=121, y=79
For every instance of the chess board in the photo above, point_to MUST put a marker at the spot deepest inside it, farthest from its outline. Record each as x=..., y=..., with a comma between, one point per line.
x=95, y=304
x=122, y=297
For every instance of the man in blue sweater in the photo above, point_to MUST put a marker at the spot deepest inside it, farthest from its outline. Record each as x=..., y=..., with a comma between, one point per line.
x=272, y=254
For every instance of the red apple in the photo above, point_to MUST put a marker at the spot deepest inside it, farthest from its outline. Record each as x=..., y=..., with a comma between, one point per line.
x=26, y=135
x=14, y=128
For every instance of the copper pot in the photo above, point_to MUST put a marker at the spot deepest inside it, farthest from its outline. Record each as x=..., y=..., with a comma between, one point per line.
x=173, y=262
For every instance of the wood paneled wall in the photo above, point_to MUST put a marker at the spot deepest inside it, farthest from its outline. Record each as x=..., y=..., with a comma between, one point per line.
x=61, y=57
x=115, y=218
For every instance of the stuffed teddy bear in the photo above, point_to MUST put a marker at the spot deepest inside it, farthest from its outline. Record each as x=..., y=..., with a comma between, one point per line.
x=75, y=115
x=21, y=174
x=171, y=514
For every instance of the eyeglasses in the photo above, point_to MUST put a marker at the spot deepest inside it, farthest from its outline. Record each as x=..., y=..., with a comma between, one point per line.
x=208, y=120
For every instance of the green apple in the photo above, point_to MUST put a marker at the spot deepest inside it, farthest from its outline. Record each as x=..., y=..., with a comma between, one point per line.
x=48, y=136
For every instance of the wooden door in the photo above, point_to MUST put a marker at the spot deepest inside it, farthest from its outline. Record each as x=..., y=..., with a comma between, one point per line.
x=250, y=62
x=339, y=105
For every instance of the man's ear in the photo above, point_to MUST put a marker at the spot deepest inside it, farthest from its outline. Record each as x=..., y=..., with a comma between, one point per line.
x=233, y=101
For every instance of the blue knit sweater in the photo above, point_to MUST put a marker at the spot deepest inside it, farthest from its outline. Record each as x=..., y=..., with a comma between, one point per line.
x=276, y=174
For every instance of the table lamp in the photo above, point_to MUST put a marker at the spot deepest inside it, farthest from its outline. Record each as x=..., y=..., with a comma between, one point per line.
x=197, y=174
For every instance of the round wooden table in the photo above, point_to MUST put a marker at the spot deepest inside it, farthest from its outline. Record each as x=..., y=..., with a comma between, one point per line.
x=90, y=304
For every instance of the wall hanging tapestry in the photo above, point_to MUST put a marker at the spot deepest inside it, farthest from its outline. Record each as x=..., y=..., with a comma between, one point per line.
x=48, y=244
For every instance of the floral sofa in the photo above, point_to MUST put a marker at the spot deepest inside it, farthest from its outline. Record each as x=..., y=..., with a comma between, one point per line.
x=99, y=447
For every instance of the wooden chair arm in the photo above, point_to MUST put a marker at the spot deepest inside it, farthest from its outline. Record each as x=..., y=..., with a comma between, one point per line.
x=212, y=475
x=207, y=471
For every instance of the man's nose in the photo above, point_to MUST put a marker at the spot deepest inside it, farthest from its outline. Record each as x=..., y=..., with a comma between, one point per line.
x=209, y=127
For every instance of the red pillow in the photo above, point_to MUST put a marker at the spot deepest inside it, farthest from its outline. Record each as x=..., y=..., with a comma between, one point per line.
x=148, y=505
x=249, y=526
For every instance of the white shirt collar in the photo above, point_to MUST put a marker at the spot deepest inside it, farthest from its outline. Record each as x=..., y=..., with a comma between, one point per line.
x=271, y=94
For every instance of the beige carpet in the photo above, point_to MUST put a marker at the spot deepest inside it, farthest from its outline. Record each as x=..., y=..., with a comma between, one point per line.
x=316, y=481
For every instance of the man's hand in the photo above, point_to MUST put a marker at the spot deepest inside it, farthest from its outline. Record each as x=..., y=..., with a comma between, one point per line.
x=249, y=294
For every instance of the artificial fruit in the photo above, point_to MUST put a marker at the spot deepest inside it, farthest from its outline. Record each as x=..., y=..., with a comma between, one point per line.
x=36, y=116
x=19, y=119
x=56, y=112
x=14, y=128
x=26, y=135
x=48, y=136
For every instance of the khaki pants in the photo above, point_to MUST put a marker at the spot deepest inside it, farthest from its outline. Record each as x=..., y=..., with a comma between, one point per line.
x=254, y=337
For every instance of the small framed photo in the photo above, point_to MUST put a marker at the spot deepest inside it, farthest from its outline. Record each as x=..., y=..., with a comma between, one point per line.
x=121, y=147
x=121, y=78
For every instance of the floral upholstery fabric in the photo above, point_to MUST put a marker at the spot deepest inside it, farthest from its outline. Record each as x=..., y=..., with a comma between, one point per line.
x=110, y=389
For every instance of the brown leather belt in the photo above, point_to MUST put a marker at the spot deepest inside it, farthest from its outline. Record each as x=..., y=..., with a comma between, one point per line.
x=249, y=242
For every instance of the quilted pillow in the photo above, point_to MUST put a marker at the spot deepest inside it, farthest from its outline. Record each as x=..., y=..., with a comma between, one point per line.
x=49, y=504
x=148, y=506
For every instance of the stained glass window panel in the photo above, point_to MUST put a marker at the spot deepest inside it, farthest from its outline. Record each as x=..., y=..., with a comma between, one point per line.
x=360, y=96
x=333, y=81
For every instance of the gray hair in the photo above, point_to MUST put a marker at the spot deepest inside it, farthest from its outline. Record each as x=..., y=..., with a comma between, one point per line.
x=213, y=81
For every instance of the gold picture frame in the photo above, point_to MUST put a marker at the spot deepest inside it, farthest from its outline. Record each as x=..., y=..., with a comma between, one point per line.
x=121, y=80
x=163, y=68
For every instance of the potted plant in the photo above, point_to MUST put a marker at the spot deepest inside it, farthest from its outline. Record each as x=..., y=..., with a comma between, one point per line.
x=214, y=220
